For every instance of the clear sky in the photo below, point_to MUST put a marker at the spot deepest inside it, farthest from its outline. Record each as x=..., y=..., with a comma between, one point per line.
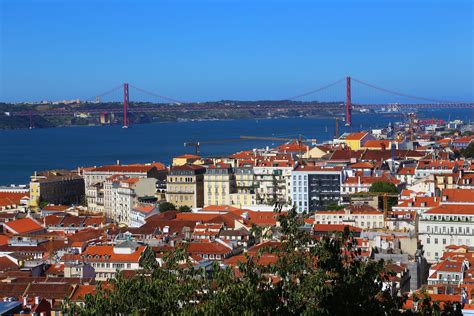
x=210, y=50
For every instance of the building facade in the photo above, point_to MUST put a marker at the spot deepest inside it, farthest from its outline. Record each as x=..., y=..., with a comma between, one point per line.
x=56, y=187
x=315, y=187
x=219, y=184
x=185, y=186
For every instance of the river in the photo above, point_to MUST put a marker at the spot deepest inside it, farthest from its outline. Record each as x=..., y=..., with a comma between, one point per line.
x=24, y=151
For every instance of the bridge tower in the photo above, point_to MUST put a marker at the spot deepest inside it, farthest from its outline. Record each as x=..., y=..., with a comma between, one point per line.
x=348, y=102
x=125, y=105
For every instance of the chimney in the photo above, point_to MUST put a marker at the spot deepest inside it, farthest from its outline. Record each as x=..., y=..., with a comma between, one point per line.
x=118, y=162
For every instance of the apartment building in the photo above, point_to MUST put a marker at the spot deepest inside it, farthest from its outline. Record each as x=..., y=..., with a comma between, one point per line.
x=107, y=260
x=94, y=179
x=56, y=187
x=361, y=216
x=219, y=184
x=272, y=183
x=447, y=224
x=121, y=194
x=185, y=186
x=245, y=186
x=314, y=187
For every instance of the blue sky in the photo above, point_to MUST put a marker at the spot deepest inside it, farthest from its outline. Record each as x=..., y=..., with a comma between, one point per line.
x=210, y=50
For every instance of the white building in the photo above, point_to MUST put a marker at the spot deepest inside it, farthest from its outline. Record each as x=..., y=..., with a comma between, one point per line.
x=314, y=187
x=362, y=216
x=140, y=213
x=447, y=224
x=121, y=194
x=94, y=179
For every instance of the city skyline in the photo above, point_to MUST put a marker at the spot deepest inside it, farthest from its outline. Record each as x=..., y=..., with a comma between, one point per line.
x=233, y=50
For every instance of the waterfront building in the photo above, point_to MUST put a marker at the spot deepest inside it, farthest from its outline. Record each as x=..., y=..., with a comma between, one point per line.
x=56, y=187
x=185, y=186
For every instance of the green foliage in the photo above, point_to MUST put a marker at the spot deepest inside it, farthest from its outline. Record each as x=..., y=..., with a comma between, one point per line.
x=469, y=151
x=325, y=277
x=167, y=206
x=333, y=206
x=148, y=260
x=184, y=209
x=383, y=187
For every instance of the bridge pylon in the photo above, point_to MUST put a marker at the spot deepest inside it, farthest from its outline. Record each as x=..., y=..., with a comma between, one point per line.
x=125, y=105
x=348, y=102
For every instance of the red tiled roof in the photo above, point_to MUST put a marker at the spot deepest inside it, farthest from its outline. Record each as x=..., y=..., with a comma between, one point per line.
x=458, y=195
x=362, y=165
x=189, y=156
x=11, y=198
x=461, y=209
x=208, y=248
x=378, y=143
x=81, y=291
x=96, y=253
x=356, y=136
x=23, y=226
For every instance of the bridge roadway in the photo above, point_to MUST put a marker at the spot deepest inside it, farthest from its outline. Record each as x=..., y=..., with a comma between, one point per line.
x=192, y=107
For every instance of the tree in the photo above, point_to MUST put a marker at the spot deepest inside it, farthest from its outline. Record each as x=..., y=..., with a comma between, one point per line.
x=311, y=277
x=383, y=187
x=468, y=152
x=333, y=206
x=184, y=209
x=148, y=259
x=167, y=206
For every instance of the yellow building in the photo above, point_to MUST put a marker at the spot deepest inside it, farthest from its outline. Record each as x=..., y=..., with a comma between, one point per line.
x=56, y=187
x=245, y=194
x=219, y=184
x=187, y=159
x=185, y=186
x=355, y=141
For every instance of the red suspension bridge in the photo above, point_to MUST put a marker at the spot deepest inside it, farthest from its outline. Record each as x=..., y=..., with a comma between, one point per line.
x=172, y=105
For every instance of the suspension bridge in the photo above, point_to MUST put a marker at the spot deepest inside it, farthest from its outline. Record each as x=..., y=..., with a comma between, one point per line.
x=344, y=107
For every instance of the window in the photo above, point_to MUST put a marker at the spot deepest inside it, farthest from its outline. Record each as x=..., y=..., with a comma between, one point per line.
x=436, y=241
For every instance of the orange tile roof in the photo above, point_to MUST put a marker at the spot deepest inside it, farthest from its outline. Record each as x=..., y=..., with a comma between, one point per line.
x=378, y=143
x=189, y=156
x=461, y=209
x=356, y=136
x=9, y=198
x=458, y=195
x=96, y=253
x=81, y=291
x=362, y=165
x=23, y=226
x=208, y=248
x=417, y=201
